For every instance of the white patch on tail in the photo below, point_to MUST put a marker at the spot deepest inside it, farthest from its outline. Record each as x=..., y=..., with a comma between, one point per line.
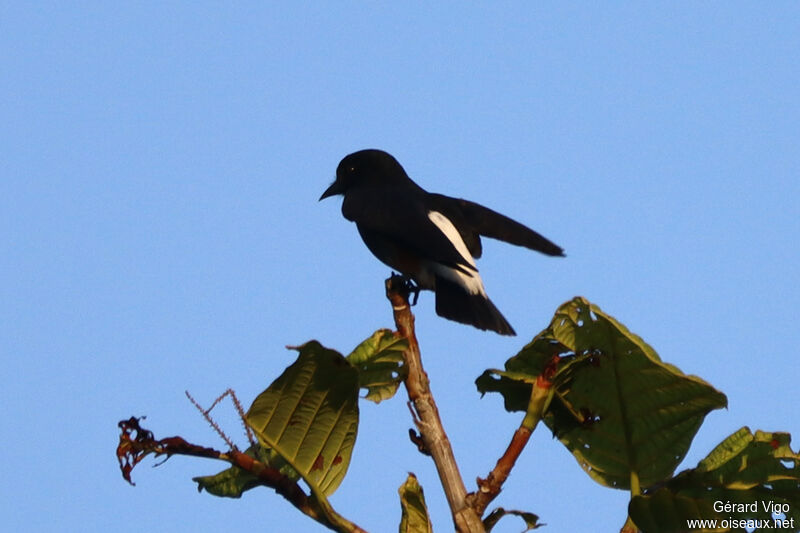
x=470, y=281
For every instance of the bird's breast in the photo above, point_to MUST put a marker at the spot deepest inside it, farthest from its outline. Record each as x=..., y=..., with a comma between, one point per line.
x=398, y=256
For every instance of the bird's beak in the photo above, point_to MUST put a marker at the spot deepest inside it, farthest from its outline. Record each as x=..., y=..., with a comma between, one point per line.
x=334, y=189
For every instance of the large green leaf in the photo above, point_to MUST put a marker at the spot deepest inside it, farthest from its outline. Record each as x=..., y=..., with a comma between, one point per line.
x=625, y=415
x=308, y=417
x=746, y=477
x=415, y=518
x=380, y=364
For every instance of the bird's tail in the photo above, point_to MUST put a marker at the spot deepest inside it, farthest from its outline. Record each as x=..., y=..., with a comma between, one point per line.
x=454, y=303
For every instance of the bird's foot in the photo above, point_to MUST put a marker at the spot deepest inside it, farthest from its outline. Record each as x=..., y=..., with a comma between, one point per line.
x=405, y=285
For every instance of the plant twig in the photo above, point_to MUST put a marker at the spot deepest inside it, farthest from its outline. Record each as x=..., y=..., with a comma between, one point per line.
x=489, y=488
x=135, y=443
x=429, y=424
x=239, y=410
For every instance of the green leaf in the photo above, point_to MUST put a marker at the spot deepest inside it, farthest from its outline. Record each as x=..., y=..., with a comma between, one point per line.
x=531, y=520
x=514, y=386
x=234, y=481
x=308, y=417
x=755, y=474
x=380, y=364
x=415, y=518
x=625, y=415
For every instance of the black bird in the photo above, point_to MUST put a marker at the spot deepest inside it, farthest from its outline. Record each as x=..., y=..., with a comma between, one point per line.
x=430, y=238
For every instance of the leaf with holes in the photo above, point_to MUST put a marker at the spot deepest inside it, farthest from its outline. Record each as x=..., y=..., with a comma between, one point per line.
x=308, y=417
x=757, y=474
x=380, y=364
x=625, y=415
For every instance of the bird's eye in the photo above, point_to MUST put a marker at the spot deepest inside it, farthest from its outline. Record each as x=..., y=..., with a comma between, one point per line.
x=351, y=170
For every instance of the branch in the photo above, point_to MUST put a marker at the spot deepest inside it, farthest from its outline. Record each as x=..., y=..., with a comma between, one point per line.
x=427, y=420
x=489, y=488
x=133, y=448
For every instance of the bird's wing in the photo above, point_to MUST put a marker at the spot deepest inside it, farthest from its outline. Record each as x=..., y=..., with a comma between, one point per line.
x=410, y=222
x=483, y=221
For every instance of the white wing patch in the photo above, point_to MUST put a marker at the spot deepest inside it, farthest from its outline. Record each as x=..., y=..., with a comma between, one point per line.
x=472, y=281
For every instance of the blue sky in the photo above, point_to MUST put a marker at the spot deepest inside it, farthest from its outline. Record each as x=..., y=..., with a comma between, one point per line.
x=160, y=229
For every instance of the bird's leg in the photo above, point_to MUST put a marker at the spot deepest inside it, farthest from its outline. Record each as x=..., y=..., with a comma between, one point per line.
x=414, y=289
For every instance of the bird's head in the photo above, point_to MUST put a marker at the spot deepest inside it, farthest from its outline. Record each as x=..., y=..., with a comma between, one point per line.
x=364, y=167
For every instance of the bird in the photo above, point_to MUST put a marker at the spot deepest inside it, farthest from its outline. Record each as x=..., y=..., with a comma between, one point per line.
x=430, y=238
